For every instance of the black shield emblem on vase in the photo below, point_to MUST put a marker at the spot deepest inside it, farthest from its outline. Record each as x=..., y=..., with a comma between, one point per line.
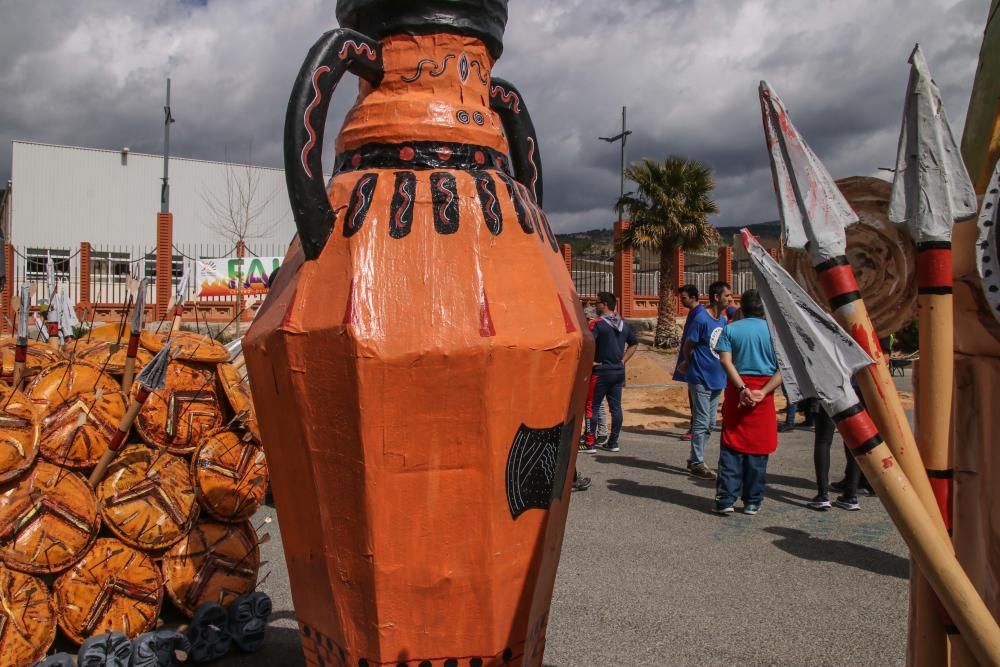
x=537, y=466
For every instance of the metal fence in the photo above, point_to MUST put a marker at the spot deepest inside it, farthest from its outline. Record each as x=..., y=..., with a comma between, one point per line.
x=110, y=266
x=646, y=272
x=591, y=276
x=742, y=274
x=701, y=270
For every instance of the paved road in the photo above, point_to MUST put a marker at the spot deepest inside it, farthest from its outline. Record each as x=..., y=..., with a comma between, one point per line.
x=650, y=577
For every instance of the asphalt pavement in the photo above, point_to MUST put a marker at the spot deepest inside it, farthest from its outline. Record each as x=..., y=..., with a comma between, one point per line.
x=649, y=576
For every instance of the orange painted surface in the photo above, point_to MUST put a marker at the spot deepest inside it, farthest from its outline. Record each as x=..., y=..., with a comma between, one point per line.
x=391, y=378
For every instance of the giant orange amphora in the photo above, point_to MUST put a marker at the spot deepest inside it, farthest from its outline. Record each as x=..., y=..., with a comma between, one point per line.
x=419, y=368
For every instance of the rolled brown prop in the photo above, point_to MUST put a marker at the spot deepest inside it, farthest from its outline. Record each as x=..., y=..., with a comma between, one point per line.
x=20, y=434
x=929, y=547
x=883, y=257
x=230, y=475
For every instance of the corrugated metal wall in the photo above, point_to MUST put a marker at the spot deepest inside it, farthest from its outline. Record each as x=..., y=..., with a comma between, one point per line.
x=65, y=195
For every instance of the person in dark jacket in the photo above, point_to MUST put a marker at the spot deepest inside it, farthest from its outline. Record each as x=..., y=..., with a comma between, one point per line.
x=615, y=345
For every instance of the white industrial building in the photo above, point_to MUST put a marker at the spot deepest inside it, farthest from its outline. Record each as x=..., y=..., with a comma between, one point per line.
x=60, y=196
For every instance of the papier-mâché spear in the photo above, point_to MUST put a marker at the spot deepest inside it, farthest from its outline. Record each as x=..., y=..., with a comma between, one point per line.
x=52, y=313
x=136, y=323
x=152, y=377
x=180, y=294
x=815, y=216
x=21, y=344
x=817, y=359
x=931, y=190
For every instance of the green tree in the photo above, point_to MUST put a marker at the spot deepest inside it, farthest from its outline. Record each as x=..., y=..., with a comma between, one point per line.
x=669, y=209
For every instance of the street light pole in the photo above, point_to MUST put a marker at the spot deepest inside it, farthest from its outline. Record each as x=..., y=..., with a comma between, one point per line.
x=622, y=137
x=165, y=189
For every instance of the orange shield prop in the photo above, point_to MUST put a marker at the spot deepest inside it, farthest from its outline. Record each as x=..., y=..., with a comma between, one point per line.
x=420, y=366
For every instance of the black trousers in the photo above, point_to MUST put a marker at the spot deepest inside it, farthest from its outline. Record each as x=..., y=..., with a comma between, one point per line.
x=821, y=459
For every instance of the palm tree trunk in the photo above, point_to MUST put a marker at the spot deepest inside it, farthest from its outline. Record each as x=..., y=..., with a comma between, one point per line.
x=667, y=335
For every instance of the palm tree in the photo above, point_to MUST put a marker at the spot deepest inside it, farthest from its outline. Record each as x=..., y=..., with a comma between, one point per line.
x=669, y=209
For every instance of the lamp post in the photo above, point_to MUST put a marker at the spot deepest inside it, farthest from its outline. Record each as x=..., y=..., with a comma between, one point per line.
x=622, y=137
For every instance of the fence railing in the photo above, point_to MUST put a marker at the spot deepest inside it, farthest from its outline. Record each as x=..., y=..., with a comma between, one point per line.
x=634, y=275
x=103, y=278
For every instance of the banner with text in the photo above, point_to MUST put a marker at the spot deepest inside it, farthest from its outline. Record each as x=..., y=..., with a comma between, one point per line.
x=221, y=276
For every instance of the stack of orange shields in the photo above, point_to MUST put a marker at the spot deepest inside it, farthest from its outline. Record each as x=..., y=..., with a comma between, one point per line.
x=110, y=356
x=27, y=619
x=215, y=562
x=80, y=408
x=48, y=520
x=147, y=499
x=177, y=417
x=112, y=588
x=19, y=434
x=186, y=345
x=230, y=475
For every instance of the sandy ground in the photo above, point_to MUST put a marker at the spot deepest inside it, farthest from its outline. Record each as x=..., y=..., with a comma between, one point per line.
x=655, y=402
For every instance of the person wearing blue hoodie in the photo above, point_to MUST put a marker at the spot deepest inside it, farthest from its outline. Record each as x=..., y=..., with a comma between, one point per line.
x=615, y=345
x=689, y=299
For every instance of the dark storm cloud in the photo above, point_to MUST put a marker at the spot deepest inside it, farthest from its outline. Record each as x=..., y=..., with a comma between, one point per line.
x=93, y=74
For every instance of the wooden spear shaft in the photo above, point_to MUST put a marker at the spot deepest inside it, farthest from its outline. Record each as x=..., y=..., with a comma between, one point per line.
x=20, y=360
x=130, y=355
x=841, y=289
x=116, y=443
x=930, y=548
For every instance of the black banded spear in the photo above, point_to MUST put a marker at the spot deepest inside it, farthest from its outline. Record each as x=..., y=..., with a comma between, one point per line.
x=138, y=313
x=52, y=313
x=21, y=346
x=152, y=377
x=817, y=359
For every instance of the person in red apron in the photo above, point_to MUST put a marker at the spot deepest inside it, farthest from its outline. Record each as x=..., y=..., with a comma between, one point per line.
x=749, y=422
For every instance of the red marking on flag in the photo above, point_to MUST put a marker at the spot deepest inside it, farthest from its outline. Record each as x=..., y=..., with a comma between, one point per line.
x=837, y=280
x=567, y=320
x=866, y=337
x=486, y=328
x=21, y=354
x=934, y=268
x=133, y=346
x=888, y=462
x=349, y=310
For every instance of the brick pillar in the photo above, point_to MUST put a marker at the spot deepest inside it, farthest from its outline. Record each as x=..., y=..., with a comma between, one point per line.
x=84, y=273
x=623, y=273
x=8, y=255
x=678, y=279
x=164, y=262
x=567, y=253
x=726, y=264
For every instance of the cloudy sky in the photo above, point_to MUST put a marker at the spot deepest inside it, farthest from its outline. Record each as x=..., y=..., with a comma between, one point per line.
x=92, y=74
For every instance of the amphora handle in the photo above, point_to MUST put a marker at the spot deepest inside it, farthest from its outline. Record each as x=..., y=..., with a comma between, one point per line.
x=336, y=52
x=507, y=102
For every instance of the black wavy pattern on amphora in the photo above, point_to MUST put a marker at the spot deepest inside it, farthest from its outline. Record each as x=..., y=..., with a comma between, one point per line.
x=444, y=197
x=489, y=203
x=520, y=213
x=361, y=201
x=461, y=157
x=436, y=72
x=403, y=201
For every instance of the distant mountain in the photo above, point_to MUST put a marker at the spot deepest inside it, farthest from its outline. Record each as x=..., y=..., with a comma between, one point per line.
x=600, y=242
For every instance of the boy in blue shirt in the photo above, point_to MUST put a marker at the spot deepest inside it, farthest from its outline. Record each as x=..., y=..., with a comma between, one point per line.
x=705, y=376
x=615, y=345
